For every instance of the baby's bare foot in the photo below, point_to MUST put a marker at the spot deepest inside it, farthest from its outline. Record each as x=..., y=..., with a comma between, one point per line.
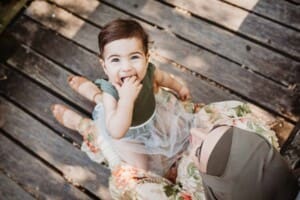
x=74, y=121
x=86, y=88
x=66, y=116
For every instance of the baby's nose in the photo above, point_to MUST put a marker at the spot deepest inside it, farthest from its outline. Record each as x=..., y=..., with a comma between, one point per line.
x=126, y=66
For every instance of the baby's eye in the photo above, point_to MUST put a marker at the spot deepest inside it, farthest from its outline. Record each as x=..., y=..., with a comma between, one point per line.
x=135, y=57
x=115, y=60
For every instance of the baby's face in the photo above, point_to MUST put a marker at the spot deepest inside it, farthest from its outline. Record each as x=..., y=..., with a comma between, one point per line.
x=124, y=58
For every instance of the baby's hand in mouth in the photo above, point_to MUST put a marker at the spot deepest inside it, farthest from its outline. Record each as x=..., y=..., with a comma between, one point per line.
x=123, y=79
x=129, y=88
x=126, y=77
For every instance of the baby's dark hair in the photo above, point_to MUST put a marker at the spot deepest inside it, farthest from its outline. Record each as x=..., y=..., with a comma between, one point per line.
x=121, y=29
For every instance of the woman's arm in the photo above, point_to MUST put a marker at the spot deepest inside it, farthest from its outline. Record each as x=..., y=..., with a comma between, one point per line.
x=165, y=80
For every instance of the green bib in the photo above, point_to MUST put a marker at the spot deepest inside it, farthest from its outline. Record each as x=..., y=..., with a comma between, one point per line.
x=144, y=105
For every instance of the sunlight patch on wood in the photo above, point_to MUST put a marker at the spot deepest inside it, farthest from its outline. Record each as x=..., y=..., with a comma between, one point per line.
x=105, y=194
x=249, y=4
x=77, y=174
x=219, y=12
x=182, y=11
x=201, y=63
x=78, y=6
x=55, y=18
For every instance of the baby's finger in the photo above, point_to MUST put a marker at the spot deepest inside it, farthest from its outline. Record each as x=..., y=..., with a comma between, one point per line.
x=139, y=87
x=137, y=82
x=117, y=86
x=183, y=97
x=187, y=97
x=133, y=79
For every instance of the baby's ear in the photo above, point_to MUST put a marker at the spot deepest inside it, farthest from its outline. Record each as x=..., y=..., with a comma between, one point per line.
x=102, y=63
x=147, y=57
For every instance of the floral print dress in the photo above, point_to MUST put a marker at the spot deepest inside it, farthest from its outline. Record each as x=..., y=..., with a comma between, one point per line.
x=127, y=182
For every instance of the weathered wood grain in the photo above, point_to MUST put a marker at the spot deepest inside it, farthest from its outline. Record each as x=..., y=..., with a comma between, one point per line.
x=37, y=67
x=33, y=98
x=74, y=165
x=294, y=2
x=55, y=78
x=58, y=49
x=238, y=49
x=8, y=10
x=10, y=189
x=280, y=11
x=36, y=178
x=225, y=43
x=196, y=59
x=47, y=74
x=203, y=92
x=245, y=23
x=71, y=48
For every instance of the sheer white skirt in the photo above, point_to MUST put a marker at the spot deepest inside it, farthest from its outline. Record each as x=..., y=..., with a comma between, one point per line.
x=154, y=145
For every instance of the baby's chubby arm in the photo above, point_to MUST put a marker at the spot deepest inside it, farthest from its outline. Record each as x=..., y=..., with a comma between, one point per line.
x=118, y=114
x=165, y=80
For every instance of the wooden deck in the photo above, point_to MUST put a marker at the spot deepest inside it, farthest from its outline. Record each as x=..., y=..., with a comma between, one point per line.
x=222, y=49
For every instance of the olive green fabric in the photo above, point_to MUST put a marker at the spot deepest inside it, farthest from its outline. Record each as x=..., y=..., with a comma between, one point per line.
x=218, y=158
x=144, y=105
x=254, y=170
x=107, y=87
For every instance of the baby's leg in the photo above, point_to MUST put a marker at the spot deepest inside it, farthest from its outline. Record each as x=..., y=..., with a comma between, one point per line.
x=72, y=120
x=65, y=116
x=131, y=157
x=86, y=88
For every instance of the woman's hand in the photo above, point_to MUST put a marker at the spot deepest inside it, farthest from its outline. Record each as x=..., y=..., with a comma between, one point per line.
x=197, y=137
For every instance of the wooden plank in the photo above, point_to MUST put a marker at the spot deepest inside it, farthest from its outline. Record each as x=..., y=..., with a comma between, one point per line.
x=203, y=91
x=280, y=11
x=8, y=10
x=238, y=20
x=33, y=98
x=71, y=57
x=9, y=189
x=64, y=23
x=291, y=149
x=72, y=163
x=47, y=74
x=196, y=59
x=36, y=178
x=36, y=67
x=282, y=128
x=245, y=52
x=54, y=77
x=258, y=59
x=295, y=2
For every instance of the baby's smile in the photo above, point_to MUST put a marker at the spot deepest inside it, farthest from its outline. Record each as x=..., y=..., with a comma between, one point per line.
x=125, y=77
